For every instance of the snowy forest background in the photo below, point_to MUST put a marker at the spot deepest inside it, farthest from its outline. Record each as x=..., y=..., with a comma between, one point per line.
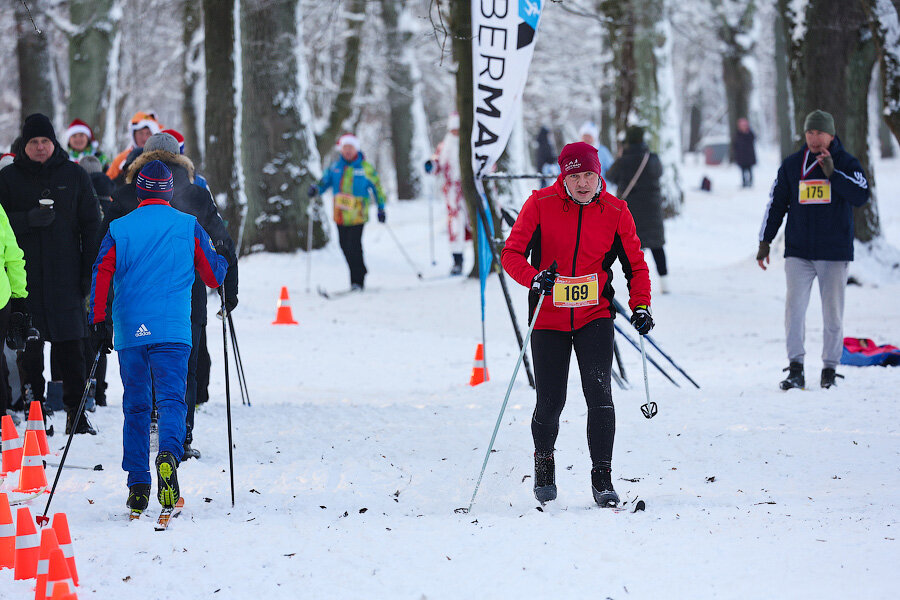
x=263, y=88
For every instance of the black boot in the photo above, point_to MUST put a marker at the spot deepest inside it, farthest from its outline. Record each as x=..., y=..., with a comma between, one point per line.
x=457, y=264
x=794, y=378
x=167, y=479
x=828, y=376
x=138, y=497
x=602, y=487
x=190, y=452
x=544, y=477
x=83, y=425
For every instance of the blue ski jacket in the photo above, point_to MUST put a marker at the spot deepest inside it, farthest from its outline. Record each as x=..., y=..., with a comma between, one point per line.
x=819, y=209
x=149, y=256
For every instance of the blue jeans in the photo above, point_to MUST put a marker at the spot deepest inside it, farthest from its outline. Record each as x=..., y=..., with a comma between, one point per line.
x=166, y=364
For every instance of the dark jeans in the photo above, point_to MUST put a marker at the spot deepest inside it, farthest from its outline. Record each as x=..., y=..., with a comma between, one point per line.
x=350, y=237
x=5, y=400
x=746, y=176
x=551, y=351
x=659, y=257
x=67, y=362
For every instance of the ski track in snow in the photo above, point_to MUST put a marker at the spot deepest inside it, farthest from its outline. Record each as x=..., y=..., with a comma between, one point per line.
x=364, y=437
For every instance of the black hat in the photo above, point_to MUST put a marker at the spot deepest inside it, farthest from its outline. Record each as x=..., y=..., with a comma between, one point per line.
x=634, y=135
x=37, y=125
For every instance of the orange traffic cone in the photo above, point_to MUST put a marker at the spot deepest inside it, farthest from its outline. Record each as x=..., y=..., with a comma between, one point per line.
x=7, y=535
x=48, y=543
x=283, y=315
x=36, y=423
x=12, y=447
x=27, y=545
x=61, y=592
x=31, y=476
x=61, y=526
x=58, y=573
x=479, y=372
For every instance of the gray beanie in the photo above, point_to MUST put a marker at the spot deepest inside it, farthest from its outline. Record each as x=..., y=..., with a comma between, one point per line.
x=162, y=141
x=90, y=163
x=820, y=121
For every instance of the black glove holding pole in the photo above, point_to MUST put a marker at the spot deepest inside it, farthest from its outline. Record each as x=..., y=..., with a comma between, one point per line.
x=642, y=320
x=543, y=282
x=101, y=337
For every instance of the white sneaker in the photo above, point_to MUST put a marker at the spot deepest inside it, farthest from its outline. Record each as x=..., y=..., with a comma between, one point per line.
x=664, y=284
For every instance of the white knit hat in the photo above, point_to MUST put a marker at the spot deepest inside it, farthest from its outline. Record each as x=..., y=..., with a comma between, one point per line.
x=348, y=139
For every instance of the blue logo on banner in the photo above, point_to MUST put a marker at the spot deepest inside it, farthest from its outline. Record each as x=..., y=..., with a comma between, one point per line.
x=530, y=12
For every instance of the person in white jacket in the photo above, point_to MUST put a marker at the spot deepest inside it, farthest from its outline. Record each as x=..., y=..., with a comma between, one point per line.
x=445, y=162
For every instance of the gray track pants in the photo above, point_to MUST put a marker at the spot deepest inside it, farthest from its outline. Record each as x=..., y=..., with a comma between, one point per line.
x=832, y=275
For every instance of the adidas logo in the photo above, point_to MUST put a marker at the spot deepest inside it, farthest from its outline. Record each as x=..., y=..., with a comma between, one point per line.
x=142, y=331
x=572, y=164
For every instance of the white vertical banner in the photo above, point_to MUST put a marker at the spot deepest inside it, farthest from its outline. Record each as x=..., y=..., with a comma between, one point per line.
x=504, y=33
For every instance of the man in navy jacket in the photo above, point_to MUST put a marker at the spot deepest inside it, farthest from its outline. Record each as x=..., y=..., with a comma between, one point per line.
x=817, y=188
x=149, y=256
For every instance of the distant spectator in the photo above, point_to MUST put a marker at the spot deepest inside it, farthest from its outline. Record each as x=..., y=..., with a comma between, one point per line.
x=142, y=126
x=80, y=142
x=590, y=134
x=744, y=152
x=445, y=162
x=545, y=156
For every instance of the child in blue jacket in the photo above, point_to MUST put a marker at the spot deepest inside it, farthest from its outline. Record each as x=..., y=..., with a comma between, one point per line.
x=149, y=257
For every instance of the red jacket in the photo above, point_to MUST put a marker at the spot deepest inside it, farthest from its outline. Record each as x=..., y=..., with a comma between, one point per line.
x=582, y=240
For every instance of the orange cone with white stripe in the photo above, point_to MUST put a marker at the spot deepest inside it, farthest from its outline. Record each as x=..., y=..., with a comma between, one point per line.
x=479, y=371
x=27, y=545
x=58, y=573
x=31, y=476
x=283, y=314
x=48, y=543
x=36, y=423
x=61, y=526
x=12, y=446
x=7, y=535
x=61, y=592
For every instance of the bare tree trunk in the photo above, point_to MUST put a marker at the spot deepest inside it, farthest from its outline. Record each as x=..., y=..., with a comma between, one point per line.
x=221, y=161
x=343, y=102
x=89, y=60
x=885, y=16
x=191, y=71
x=734, y=33
x=278, y=148
x=35, y=65
x=786, y=140
x=403, y=90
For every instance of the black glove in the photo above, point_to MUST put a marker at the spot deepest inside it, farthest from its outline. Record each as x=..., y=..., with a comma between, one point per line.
x=542, y=283
x=381, y=216
x=763, y=251
x=313, y=191
x=231, y=303
x=642, y=320
x=101, y=337
x=429, y=166
x=19, y=305
x=38, y=217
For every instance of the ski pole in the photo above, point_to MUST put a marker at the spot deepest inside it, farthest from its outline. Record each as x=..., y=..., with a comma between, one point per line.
x=43, y=519
x=403, y=251
x=649, y=409
x=227, y=396
x=652, y=362
x=658, y=349
x=506, y=398
x=242, y=377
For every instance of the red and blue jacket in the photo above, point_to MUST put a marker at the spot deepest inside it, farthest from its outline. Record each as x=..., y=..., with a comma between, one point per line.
x=150, y=256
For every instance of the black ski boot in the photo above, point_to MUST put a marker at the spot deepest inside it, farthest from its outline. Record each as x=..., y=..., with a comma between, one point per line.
x=828, y=376
x=190, y=452
x=457, y=264
x=544, y=477
x=794, y=378
x=602, y=487
x=83, y=425
x=167, y=479
x=138, y=497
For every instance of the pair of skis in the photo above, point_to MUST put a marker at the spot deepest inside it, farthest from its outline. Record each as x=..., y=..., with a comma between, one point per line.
x=165, y=515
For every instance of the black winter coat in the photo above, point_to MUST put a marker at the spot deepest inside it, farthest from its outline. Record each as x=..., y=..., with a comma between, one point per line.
x=743, y=149
x=188, y=198
x=645, y=199
x=59, y=257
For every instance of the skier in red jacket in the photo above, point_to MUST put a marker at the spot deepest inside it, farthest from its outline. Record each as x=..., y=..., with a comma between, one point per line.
x=583, y=228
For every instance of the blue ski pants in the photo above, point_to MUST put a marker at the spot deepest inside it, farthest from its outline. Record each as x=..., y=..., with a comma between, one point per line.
x=166, y=364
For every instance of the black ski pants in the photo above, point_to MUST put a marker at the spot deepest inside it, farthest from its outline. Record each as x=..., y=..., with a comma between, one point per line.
x=551, y=351
x=350, y=237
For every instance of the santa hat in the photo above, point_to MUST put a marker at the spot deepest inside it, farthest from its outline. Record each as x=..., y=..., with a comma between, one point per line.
x=79, y=126
x=178, y=138
x=348, y=139
x=6, y=159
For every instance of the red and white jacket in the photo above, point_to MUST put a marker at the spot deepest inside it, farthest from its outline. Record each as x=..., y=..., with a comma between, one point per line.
x=582, y=239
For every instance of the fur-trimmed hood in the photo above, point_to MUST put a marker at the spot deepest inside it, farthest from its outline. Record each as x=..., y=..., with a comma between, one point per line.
x=161, y=155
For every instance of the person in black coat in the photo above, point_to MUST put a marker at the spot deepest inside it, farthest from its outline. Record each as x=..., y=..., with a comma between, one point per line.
x=744, y=152
x=645, y=196
x=545, y=156
x=59, y=236
x=195, y=200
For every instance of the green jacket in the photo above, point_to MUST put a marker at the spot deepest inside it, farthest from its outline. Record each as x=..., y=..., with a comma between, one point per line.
x=13, y=261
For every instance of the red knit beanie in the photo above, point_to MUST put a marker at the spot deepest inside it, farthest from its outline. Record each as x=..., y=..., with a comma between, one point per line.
x=579, y=158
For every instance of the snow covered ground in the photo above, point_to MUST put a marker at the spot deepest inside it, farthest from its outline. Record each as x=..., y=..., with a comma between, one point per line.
x=364, y=437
